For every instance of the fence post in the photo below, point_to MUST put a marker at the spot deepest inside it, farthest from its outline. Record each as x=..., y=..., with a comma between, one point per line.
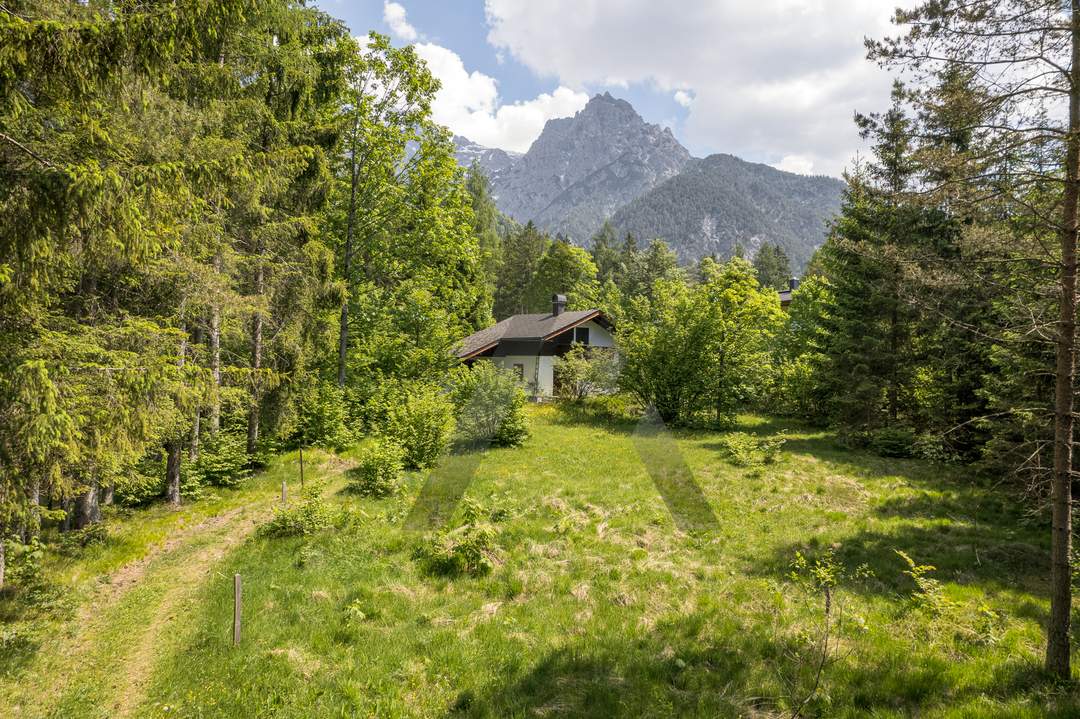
x=236, y=611
x=284, y=493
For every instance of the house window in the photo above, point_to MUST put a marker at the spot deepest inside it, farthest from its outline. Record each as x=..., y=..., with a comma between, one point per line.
x=519, y=370
x=581, y=335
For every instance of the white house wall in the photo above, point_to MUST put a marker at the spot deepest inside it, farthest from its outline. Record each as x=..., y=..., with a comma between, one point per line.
x=545, y=381
x=598, y=336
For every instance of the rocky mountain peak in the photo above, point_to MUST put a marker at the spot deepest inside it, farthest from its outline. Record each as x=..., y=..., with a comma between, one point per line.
x=582, y=168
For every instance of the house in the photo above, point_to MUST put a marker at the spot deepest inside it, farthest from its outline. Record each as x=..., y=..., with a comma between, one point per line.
x=785, y=295
x=528, y=344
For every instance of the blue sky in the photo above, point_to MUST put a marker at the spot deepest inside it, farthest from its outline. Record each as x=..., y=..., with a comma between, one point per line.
x=774, y=81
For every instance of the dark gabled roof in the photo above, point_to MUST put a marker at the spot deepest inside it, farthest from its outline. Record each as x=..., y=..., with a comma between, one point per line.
x=524, y=327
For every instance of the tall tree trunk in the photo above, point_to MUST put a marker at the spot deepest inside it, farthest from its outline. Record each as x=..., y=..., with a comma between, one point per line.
x=346, y=261
x=88, y=507
x=3, y=560
x=256, y=362
x=1058, y=633
x=196, y=420
x=215, y=355
x=173, y=451
x=33, y=526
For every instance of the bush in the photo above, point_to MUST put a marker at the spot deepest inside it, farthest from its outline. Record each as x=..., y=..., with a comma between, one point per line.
x=490, y=406
x=378, y=471
x=77, y=539
x=746, y=450
x=312, y=514
x=893, y=442
x=223, y=460
x=467, y=550
x=421, y=421
x=585, y=371
x=322, y=419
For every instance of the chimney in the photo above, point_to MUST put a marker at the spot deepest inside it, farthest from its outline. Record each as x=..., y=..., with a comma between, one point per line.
x=558, y=304
x=793, y=284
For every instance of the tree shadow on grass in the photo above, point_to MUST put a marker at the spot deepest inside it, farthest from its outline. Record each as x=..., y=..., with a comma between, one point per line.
x=710, y=665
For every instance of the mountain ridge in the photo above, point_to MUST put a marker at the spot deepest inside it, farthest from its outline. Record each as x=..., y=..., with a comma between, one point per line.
x=607, y=163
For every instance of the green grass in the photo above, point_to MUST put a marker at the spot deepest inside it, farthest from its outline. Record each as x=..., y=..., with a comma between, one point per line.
x=598, y=605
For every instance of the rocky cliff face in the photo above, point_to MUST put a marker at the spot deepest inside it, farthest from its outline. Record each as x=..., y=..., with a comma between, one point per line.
x=491, y=159
x=607, y=163
x=583, y=168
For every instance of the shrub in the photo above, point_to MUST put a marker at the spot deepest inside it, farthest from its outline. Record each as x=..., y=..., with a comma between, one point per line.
x=467, y=550
x=585, y=371
x=378, y=470
x=490, y=406
x=71, y=542
x=421, y=422
x=312, y=514
x=223, y=460
x=322, y=419
x=746, y=450
x=893, y=442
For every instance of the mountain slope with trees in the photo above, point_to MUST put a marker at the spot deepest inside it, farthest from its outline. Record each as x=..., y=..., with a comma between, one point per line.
x=721, y=203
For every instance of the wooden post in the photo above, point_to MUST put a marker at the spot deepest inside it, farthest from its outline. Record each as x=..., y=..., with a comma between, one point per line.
x=284, y=493
x=236, y=611
x=301, y=466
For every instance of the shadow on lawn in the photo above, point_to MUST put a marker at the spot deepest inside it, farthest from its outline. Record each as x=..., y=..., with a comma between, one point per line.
x=710, y=665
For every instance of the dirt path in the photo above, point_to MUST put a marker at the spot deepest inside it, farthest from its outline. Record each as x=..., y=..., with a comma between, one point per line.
x=188, y=579
x=116, y=633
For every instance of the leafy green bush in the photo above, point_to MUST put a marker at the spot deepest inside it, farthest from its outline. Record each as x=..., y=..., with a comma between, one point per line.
x=893, y=442
x=223, y=460
x=310, y=515
x=421, y=421
x=746, y=450
x=322, y=418
x=490, y=406
x=77, y=539
x=467, y=550
x=378, y=470
x=585, y=371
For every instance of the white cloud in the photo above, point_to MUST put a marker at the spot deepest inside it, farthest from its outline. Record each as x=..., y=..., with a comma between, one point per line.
x=394, y=16
x=767, y=80
x=468, y=103
x=799, y=164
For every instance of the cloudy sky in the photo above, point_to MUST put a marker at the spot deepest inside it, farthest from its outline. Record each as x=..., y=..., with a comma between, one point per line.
x=774, y=81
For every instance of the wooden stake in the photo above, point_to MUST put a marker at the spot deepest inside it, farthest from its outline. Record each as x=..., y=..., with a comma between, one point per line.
x=301, y=466
x=236, y=611
x=284, y=493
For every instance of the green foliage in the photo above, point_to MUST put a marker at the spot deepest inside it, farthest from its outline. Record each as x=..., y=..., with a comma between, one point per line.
x=892, y=442
x=692, y=348
x=772, y=266
x=223, y=460
x=489, y=404
x=78, y=539
x=420, y=419
x=322, y=418
x=928, y=592
x=378, y=470
x=585, y=371
x=467, y=550
x=310, y=515
x=521, y=258
x=562, y=269
x=747, y=450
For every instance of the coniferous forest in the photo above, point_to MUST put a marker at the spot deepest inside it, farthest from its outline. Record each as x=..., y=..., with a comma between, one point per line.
x=232, y=234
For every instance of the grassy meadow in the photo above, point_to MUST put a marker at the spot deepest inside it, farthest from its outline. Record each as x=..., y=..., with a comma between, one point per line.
x=595, y=603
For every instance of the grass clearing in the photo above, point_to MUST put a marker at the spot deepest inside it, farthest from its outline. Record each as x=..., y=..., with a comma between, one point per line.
x=595, y=603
